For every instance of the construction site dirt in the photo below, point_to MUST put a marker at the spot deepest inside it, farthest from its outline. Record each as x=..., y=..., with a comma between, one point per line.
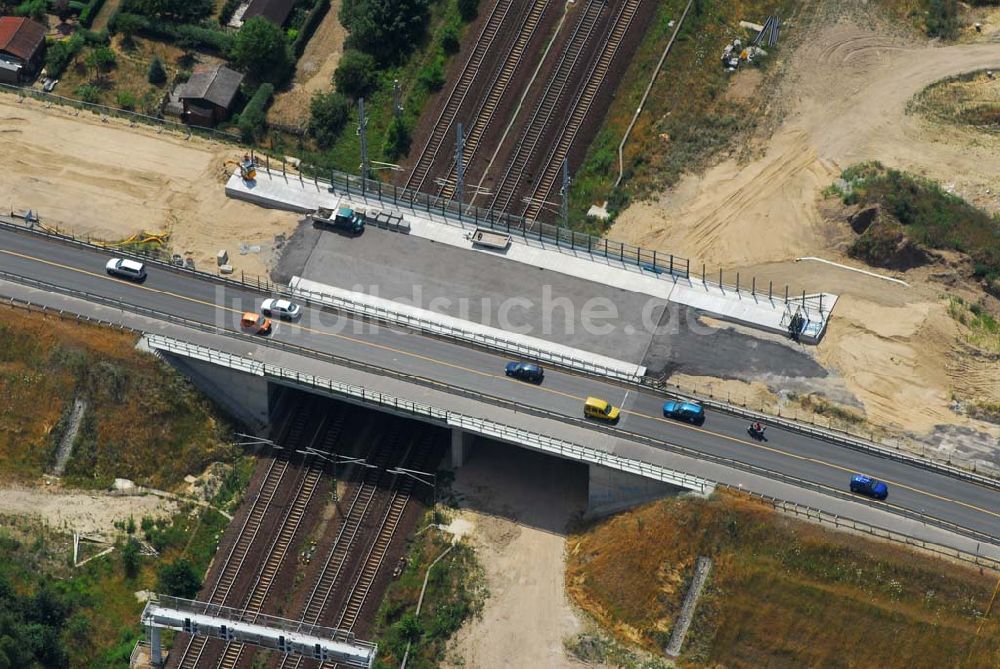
x=316, y=553
x=550, y=106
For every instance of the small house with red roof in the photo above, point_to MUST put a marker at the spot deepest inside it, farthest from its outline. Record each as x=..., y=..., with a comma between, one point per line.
x=22, y=49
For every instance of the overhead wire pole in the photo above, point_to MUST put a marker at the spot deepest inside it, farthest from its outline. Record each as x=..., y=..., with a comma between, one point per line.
x=459, y=168
x=362, y=126
x=565, y=192
x=397, y=104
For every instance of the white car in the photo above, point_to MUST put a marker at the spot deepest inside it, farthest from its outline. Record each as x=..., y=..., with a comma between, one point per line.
x=282, y=309
x=126, y=269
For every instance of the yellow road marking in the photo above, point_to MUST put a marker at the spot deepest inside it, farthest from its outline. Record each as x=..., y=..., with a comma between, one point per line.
x=470, y=370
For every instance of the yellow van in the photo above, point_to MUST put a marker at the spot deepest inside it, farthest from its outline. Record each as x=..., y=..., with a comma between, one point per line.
x=597, y=408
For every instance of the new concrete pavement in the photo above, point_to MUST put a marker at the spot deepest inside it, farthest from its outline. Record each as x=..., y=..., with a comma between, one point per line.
x=917, y=490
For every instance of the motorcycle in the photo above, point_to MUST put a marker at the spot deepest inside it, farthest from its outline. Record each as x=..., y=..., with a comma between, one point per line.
x=757, y=435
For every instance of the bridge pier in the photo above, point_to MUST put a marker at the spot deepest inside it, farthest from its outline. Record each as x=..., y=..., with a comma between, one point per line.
x=155, y=649
x=460, y=443
x=610, y=491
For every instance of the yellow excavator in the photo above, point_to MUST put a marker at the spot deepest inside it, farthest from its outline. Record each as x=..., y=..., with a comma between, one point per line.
x=248, y=169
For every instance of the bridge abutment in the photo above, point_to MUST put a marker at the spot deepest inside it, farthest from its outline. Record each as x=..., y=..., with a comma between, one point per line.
x=461, y=441
x=610, y=491
x=243, y=396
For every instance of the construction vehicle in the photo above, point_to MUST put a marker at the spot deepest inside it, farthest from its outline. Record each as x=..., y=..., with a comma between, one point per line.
x=343, y=217
x=248, y=168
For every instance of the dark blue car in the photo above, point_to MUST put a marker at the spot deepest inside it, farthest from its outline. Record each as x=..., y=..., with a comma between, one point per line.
x=525, y=371
x=866, y=485
x=688, y=411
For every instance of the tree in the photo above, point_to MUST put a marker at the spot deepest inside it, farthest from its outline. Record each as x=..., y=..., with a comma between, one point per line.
x=327, y=116
x=260, y=48
x=101, y=59
x=386, y=29
x=61, y=9
x=131, y=557
x=156, y=76
x=127, y=25
x=36, y=9
x=179, y=579
x=355, y=76
x=450, y=43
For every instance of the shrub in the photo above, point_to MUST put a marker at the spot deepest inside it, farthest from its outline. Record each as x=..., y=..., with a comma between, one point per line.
x=35, y=9
x=397, y=139
x=88, y=93
x=253, y=120
x=60, y=55
x=468, y=9
x=156, y=74
x=309, y=26
x=942, y=19
x=175, y=11
x=125, y=100
x=450, y=40
x=89, y=12
x=356, y=74
x=179, y=579
x=327, y=116
x=102, y=59
x=431, y=75
x=131, y=558
x=228, y=10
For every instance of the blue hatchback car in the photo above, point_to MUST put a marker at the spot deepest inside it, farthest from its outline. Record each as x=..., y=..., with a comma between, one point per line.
x=525, y=371
x=866, y=485
x=688, y=411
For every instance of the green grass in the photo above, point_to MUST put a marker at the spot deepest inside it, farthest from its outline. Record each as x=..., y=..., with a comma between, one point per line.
x=782, y=593
x=686, y=121
x=455, y=592
x=982, y=328
x=144, y=421
x=929, y=215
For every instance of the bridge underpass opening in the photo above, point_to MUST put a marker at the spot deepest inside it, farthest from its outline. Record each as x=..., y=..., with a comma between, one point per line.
x=337, y=491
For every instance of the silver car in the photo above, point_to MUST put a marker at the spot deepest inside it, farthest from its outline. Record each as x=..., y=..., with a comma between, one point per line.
x=283, y=309
x=126, y=269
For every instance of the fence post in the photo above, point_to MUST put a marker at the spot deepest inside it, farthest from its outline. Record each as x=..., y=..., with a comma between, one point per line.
x=720, y=277
x=753, y=286
x=769, y=290
x=786, y=292
x=737, y=283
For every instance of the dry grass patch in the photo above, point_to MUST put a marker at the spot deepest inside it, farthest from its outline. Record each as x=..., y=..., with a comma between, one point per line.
x=782, y=593
x=144, y=421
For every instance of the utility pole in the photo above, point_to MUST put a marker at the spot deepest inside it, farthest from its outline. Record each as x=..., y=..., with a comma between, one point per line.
x=362, y=126
x=397, y=102
x=459, y=168
x=565, y=192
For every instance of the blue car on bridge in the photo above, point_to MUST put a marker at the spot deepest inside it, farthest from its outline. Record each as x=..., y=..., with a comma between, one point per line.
x=687, y=411
x=866, y=485
x=525, y=371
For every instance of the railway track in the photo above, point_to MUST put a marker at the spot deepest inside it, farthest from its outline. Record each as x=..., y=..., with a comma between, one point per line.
x=552, y=95
x=333, y=567
x=458, y=93
x=278, y=550
x=237, y=555
x=386, y=533
x=580, y=107
x=484, y=114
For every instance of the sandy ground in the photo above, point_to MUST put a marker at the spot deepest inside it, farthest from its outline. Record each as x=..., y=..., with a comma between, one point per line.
x=517, y=504
x=313, y=72
x=91, y=513
x=897, y=348
x=111, y=181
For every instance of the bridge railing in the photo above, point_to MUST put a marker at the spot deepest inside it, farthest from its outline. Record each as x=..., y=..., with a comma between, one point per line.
x=551, y=444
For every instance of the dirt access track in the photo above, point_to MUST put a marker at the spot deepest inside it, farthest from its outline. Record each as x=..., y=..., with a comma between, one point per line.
x=843, y=99
x=111, y=181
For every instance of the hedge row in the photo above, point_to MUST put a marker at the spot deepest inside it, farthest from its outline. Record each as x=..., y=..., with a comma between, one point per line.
x=89, y=13
x=209, y=39
x=253, y=120
x=312, y=21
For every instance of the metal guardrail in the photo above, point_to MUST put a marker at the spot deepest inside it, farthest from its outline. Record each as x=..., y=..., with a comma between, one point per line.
x=538, y=441
x=839, y=522
x=450, y=332
x=838, y=437
x=441, y=414
x=482, y=426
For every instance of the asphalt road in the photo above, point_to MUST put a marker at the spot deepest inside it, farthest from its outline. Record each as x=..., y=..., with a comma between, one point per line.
x=912, y=488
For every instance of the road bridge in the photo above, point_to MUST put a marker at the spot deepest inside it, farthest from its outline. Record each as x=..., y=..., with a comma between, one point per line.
x=469, y=382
